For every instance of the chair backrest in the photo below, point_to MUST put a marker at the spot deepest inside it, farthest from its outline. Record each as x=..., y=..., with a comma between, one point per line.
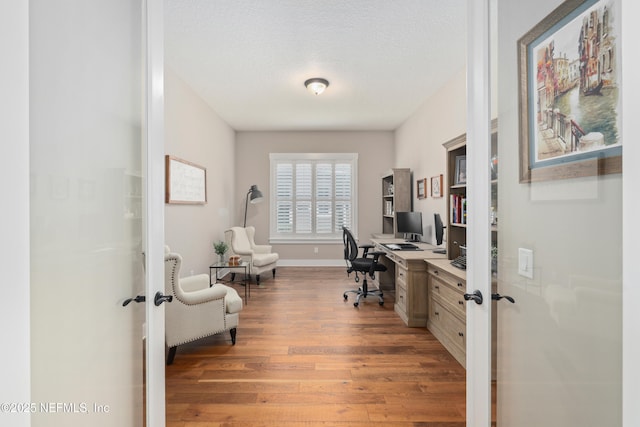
x=350, y=245
x=238, y=240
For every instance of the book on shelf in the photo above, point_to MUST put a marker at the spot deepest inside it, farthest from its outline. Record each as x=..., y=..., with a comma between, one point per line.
x=458, y=209
x=388, y=210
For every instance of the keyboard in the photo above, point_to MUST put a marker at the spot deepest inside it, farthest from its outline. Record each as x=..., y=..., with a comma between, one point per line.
x=460, y=262
x=401, y=246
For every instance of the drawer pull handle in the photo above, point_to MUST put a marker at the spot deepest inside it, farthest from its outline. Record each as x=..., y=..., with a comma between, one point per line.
x=460, y=334
x=436, y=272
x=460, y=302
x=437, y=313
x=437, y=287
x=459, y=285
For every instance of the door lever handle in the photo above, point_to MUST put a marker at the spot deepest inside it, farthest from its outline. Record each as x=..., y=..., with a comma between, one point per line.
x=139, y=298
x=476, y=296
x=159, y=298
x=498, y=297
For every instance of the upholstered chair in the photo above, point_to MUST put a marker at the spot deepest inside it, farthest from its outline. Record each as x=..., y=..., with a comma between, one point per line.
x=260, y=257
x=197, y=310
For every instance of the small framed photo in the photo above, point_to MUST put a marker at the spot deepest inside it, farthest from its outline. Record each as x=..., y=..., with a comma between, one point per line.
x=461, y=170
x=421, y=188
x=436, y=186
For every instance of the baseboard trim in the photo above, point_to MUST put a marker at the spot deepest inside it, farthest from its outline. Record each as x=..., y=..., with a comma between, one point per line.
x=311, y=263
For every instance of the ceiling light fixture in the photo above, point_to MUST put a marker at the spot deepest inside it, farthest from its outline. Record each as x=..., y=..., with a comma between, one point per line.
x=316, y=85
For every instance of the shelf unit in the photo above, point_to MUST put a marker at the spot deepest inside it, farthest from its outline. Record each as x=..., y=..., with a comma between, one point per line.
x=457, y=194
x=396, y=197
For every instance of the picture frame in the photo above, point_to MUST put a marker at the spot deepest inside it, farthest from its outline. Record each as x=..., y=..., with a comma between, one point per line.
x=421, y=188
x=460, y=178
x=569, y=102
x=185, y=182
x=436, y=186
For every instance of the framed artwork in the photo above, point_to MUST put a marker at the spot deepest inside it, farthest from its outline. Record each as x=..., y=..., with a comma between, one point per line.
x=436, y=186
x=421, y=188
x=569, y=93
x=461, y=170
x=186, y=182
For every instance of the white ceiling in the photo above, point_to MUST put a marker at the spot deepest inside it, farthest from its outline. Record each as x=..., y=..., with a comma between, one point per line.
x=249, y=58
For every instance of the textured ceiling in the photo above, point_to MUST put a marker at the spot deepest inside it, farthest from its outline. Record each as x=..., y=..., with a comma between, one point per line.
x=248, y=59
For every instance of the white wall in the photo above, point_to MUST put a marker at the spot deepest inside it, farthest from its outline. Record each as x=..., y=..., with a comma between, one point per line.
x=419, y=143
x=194, y=132
x=14, y=222
x=375, y=156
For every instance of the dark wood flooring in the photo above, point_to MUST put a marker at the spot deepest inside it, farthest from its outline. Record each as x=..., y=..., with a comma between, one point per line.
x=304, y=357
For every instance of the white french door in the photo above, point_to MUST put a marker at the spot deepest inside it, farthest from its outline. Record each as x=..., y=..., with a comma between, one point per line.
x=96, y=185
x=567, y=350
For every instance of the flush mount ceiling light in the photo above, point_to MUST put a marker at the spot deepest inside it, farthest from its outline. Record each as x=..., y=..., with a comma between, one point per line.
x=316, y=85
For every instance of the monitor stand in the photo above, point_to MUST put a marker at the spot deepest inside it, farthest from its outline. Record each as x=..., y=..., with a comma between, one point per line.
x=411, y=238
x=440, y=251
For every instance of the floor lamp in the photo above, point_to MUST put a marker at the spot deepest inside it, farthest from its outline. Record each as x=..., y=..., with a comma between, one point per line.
x=255, y=196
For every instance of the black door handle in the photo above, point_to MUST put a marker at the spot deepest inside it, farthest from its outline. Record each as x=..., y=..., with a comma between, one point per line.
x=159, y=298
x=498, y=297
x=475, y=296
x=139, y=298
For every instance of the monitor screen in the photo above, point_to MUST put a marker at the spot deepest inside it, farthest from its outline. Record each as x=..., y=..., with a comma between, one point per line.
x=410, y=224
x=439, y=228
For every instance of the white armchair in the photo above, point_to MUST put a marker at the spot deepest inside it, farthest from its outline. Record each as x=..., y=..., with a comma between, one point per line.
x=260, y=257
x=197, y=310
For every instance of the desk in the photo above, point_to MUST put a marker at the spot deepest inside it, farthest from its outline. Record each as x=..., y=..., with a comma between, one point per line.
x=407, y=274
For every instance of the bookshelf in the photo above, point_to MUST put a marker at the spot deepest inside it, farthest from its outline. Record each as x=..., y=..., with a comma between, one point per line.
x=396, y=197
x=457, y=191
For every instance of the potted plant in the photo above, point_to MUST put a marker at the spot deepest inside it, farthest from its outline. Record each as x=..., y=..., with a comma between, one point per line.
x=221, y=248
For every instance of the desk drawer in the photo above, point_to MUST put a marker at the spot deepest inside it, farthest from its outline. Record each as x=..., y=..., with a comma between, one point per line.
x=452, y=328
x=447, y=295
x=402, y=276
x=401, y=296
x=448, y=278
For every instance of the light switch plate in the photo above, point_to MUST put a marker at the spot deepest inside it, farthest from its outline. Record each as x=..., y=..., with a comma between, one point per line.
x=525, y=262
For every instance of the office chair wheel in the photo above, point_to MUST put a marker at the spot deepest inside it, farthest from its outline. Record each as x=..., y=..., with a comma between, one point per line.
x=381, y=303
x=355, y=304
x=346, y=297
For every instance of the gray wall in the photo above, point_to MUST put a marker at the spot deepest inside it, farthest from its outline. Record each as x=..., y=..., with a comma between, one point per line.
x=194, y=132
x=375, y=156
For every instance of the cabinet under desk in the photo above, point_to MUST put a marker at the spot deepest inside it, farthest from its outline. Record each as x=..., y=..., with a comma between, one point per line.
x=407, y=275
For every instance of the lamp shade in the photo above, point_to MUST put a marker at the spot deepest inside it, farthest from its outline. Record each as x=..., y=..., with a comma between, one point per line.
x=255, y=195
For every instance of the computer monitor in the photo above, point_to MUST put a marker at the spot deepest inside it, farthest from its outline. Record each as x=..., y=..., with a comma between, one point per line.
x=410, y=225
x=439, y=232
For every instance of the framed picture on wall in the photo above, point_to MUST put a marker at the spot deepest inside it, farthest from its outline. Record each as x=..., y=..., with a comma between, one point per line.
x=569, y=95
x=436, y=186
x=421, y=188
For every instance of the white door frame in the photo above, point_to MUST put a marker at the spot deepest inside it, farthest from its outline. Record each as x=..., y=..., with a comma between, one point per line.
x=478, y=116
x=630, y=208
x=154, y=211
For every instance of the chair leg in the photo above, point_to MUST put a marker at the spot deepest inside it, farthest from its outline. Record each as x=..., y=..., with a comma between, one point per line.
x=233, y=335
x=274, y=273
x=233, y=276
x=258, y=279
x=171, y=355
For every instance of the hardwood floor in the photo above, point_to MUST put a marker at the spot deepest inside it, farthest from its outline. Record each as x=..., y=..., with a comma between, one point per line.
x=304, y=357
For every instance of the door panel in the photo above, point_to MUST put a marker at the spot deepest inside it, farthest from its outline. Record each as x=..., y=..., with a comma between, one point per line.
x=86, y=131
x=559, y=347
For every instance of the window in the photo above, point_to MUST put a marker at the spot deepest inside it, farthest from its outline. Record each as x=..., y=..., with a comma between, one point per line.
x=312, y=196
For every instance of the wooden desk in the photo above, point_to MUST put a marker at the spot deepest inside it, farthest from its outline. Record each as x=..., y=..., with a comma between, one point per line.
x=407, y=274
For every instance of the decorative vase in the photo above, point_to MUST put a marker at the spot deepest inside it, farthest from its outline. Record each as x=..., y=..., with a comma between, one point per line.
x=220, y=258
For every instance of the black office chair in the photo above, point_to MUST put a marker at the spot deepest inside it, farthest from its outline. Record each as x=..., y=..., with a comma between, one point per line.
x=367, y=264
